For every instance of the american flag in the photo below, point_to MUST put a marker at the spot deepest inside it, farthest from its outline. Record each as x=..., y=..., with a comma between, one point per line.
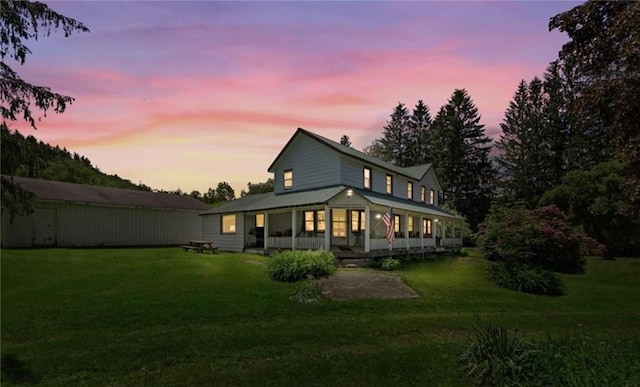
x=387, y=218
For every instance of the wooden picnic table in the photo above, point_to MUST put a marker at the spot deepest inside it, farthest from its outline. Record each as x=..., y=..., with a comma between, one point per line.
x=200, y=246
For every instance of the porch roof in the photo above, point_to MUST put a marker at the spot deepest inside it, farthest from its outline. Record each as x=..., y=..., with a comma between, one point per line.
x=407, y=205
x=271, y=201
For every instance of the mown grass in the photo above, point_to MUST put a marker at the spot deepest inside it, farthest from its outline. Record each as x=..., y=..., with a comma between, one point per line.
x=166, y=317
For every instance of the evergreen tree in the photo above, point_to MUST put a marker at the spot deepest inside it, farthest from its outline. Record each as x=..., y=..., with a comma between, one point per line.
x=395, y=137
x=461, y=157
x=419, y=147
x=526, y=162
x=224, y=193
x=344, y=140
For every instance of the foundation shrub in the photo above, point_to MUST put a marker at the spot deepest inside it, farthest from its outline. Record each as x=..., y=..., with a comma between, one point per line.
x=293, y=266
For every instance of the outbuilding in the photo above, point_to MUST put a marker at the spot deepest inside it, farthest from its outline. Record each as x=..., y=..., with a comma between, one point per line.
x=80, y=215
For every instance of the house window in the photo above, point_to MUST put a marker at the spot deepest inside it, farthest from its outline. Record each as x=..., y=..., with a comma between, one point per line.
x=259, y=220
x=410, y=190
x=426, y=227
x=423, y=194
x=432, y=197
x=396, y=223
x=309, y=221
x=314, y=221
x=410, y=224
x=367, y=178
x=389, y=185
x=357, y=221
x=228, y=224
x=288, y=179
x=339, y=223
x=320, y=225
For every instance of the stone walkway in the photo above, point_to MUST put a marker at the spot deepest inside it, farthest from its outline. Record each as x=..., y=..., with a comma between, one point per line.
x=352, y=284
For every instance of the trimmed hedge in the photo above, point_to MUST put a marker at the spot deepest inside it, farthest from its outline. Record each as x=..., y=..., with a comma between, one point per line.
x=296, y=265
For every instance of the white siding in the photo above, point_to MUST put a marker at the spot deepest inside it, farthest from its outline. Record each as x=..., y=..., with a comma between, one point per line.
x=79, y=225
x=225, y=242
x=313, y=164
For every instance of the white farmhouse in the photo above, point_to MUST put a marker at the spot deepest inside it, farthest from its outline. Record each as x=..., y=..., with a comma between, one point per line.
x=327, y=195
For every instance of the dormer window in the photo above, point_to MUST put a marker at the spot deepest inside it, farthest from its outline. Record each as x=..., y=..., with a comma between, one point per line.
x=432, y=197
x=389, y=185
x=288, y=179
x=367, y=177
x=410, y=190
x=423, y=194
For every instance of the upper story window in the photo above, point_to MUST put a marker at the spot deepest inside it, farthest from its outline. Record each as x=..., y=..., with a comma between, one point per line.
x=288, y=179
x=410, y=190
x=432, y=197
x=367, y=177
x=389, y=185
x=423, y=194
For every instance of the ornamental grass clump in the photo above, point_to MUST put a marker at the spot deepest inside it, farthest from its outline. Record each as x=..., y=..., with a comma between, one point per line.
x=296, y=265
x=498, y=357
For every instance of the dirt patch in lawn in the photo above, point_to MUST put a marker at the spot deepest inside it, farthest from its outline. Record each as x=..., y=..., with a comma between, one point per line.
x=352, y=284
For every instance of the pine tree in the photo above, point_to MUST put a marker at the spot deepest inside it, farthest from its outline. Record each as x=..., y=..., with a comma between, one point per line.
x=526, y=160
x=419, y=149
x=395, y=137
x=461, y=157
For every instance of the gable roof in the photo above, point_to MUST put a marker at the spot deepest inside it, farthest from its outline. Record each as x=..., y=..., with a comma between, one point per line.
x=92, y=194
x=415, y=172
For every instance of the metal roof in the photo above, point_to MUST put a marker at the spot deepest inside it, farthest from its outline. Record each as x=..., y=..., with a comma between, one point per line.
x=270, y=201
x=414, y=172
x=92, y=194
x=403, y=204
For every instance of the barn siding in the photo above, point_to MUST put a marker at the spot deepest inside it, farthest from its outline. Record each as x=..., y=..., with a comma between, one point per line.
x=79, y=225
x=314, y=165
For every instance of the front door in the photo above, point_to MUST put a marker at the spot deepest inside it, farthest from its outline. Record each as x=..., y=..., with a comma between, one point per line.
x=339, y=227
x=44, y=227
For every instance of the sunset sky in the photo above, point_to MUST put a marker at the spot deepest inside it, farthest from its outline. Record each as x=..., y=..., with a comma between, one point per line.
x=189, y=94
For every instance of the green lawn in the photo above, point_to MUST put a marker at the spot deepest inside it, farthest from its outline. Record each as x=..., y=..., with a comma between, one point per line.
x=166, y=317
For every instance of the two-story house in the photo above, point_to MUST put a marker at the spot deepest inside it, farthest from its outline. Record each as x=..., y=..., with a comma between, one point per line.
x=327, y=195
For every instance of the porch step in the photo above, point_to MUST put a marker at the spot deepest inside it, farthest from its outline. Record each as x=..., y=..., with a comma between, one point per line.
x=355, y=263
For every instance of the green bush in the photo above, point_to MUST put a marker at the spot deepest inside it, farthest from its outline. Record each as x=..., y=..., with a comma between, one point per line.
x=389, y=264
x=296, y=265
x=306, y=293
x=525, y=279
x=498, y=357
x=538, y=238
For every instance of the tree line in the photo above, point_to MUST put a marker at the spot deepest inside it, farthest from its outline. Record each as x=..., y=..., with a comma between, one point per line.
x=570, y=139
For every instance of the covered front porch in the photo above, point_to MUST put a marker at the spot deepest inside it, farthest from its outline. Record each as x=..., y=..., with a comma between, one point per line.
x=354, y=230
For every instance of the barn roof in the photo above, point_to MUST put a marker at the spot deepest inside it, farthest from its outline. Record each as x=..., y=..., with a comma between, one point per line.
x=92, y=194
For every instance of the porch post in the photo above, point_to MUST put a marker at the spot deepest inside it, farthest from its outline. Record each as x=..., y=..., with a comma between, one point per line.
x=367, y=228
x=327, y=228
x=421, y=232
x=293, y=229
x=444, y=230
x=434, y=231
x=266, y=230
x=406, y=231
